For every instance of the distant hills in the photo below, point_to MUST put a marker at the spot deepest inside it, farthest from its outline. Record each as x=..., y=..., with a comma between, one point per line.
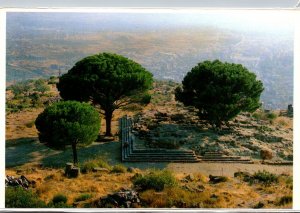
x=42, y=45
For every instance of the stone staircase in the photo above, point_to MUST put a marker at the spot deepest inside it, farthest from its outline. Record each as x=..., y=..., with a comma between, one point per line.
x=221, y=158
x=132, y=152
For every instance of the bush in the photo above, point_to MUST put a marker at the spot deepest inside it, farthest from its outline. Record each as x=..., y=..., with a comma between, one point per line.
x=90, y=164
x=119, y=169
x=156, y=180
x=285, y=200
x=83, y=197
x=146, y=99
x=271, y=116
x=265, y=177
x=266, y=154
x=17, y=197
x=59, y=198
x=58, y=205
x=259, y=115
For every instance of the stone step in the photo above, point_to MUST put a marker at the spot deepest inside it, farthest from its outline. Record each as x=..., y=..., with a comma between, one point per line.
x=214, y=153
x=221, y=157
x=224, y=159
x=161, y=157
x=163, y=151
x=236, y=161
x=161, y=160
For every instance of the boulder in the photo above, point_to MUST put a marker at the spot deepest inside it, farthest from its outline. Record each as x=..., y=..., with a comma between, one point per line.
x=124, y=198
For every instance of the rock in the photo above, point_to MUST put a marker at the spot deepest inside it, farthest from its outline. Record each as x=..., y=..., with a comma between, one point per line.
x=100, y=169
x=245, y=175
x=200, y=188
x=74, y=173
x=68, y=168
x=190, y=177
x=123, y=198
x=130, y=169
x=21, y=181
x=217, y=179
x=184, y=180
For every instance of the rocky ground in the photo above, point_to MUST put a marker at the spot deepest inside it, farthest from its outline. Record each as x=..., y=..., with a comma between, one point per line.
x=171, y=125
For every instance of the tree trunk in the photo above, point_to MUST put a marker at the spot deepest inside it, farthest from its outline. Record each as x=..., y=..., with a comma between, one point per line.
x=108, y=117
x=75, y=160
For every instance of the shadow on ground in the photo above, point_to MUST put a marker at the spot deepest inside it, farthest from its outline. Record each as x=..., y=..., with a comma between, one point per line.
x=28, y=150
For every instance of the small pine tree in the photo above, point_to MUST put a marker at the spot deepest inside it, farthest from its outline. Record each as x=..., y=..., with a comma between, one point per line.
x=68, y=123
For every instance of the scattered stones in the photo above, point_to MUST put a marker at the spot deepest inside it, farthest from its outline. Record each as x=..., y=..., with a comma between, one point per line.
x=124, y=198
x=22, y=181
x=190, y=177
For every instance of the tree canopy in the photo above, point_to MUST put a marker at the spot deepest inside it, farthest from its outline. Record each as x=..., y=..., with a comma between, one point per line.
x=220, y=91
x=107, y=80
x=68, y=123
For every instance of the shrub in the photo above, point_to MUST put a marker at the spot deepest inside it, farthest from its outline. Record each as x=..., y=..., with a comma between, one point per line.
x=271, y=116
x=59, y=198
x=119, y=169
x=266, y=154
x=90, y=164
x=83, y=197
x=146, y=99
x=259, y=205
x=156, y=180
x=17, y=197
x=285, y=200
x=265, y=177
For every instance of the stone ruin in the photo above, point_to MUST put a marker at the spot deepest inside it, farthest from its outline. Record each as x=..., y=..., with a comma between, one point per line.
x=22, y=181
x=72, y=171
x=290, y=110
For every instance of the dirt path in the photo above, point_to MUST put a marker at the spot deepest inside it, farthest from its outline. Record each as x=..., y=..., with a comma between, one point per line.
x=226, y=169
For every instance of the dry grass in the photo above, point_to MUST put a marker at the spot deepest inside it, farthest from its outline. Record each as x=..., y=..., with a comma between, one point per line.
x=284, y=122
x=233, y=193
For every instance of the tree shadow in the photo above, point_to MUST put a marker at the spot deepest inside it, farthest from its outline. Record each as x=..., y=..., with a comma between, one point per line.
x=24, y=150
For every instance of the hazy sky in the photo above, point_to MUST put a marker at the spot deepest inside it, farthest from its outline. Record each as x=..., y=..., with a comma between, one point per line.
x=246, y=20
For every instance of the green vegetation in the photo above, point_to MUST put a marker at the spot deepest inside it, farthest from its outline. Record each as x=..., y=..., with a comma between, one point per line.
x=108, y=80
x=285, y=200
x=220, y=91
x=89, y=165
x=119, y=169
x=59, y=198
x=83, y=197
x=156, y=180
x=26, y=94
x=265, y=177
x=68, y=123
x=17, y=197
x=261, y=115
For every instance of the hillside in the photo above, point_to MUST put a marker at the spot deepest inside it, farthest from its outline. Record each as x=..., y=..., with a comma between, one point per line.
x=164, y=120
